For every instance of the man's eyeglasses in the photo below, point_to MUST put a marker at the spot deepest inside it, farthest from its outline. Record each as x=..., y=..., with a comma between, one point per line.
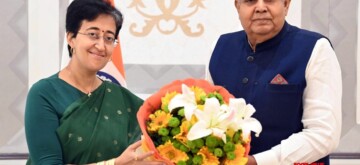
x=109, y=39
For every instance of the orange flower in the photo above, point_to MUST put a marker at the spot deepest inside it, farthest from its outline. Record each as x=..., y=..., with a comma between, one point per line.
x=168, y=151
x=166, y=99
x=208, y=157
x=158, y=120
x=239, y=159
x=184, y=129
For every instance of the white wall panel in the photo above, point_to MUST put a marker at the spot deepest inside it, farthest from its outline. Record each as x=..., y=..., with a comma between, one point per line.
x=294, y=14
x=43, y=39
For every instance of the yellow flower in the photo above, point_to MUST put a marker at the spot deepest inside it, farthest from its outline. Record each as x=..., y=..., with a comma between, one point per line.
x=239, y=159
x=193, y=120
x=198, y=93
x=158, y=120
x=166, y=99
x=230, y=132
x=208, y=157
x=184, y=129
x=200, y=107
x=168, y=151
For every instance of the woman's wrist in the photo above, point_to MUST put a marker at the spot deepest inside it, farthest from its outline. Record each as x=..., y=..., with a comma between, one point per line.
x=117, y=161
x=107, y=162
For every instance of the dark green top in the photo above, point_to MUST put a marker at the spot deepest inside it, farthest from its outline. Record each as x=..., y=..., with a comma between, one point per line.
x=65, y=126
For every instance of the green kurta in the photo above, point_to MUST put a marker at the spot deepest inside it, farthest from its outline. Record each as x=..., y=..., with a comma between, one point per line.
x=65, y=126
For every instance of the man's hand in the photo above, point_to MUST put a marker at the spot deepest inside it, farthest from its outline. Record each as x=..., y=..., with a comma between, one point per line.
x=251, y=160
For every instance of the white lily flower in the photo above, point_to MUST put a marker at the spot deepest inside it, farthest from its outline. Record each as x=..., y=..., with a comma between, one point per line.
x=214, y=119
x=243, y=119
x=186, y=99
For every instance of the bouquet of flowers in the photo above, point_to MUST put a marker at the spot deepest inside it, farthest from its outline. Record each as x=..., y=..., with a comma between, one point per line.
x=194, y=122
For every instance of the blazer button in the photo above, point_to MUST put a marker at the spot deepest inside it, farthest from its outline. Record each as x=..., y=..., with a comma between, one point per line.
x=250, y=58
x=245, y=80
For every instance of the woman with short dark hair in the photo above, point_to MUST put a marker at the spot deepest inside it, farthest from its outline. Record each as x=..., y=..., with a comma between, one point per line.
x=73, y=117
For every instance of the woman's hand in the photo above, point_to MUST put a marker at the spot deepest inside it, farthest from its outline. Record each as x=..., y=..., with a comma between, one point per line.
x=129, y=156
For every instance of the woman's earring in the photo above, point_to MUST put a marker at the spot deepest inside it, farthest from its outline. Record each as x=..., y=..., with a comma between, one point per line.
x=72, y=50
